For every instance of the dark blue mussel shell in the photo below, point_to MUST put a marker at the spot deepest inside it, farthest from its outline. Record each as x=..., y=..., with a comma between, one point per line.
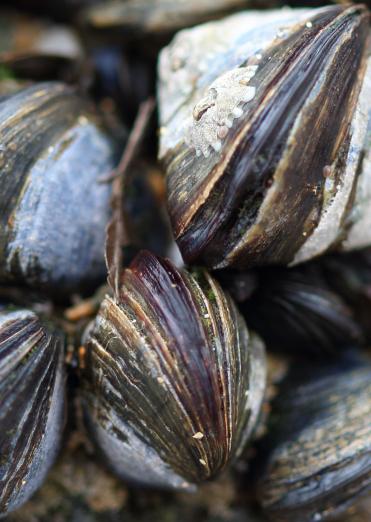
x=318, y=448
x=32, y=393
x=53, y=210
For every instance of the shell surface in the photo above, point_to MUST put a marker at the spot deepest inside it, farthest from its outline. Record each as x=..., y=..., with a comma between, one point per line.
x=31, y=404
x=297, y=311
x=140, y=17
x=53, y=211
x=264, y=133
x=319, y=446
x=173, y=380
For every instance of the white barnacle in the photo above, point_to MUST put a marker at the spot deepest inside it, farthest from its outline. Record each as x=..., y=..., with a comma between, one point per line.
x=215, y=113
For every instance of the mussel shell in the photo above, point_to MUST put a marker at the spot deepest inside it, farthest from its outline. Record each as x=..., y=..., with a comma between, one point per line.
x=53, y=210
x=173, y=379
x=137, y=18
x=349, y=275
x=264, y=121
x=319, y=307
x=31, y=404
x=318, y=449
x=295, y=310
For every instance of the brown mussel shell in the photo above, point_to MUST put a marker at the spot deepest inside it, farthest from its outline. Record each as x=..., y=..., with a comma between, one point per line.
x=32, y=394
x=173, y=379
x=264, y=123
x=318, y=448
x=53, y=209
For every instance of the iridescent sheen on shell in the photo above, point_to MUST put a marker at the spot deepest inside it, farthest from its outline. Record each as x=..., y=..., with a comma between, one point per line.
x=265, y=135
x=174, y=381
x=31, y=404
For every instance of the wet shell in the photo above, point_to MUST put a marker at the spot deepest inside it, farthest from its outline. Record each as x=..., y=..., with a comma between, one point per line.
x=319, y=446
x=295, y=310
x=322, y=306
x=53, y=211
x=265, y=136
x=349, y=275
x=31, y=404
x=173, y=380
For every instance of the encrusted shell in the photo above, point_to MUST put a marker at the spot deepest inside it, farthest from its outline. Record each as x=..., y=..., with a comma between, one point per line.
x=31, y=404
x=319, y=445
x=265, y=134
x=173, y=380
x=53, y=210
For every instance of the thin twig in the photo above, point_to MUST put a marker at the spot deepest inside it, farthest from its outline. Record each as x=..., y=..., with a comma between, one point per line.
x=116, y=236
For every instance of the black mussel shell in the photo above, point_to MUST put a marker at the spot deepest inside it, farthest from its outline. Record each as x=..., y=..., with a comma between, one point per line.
x=349, y=275
x=173, y=379
x=317, y=454
x=295, y=310
x=265, y=124
x=318, y=307
x=53, y=209
x=32, y=397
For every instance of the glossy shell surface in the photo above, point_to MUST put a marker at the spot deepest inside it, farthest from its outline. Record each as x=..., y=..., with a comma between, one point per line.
x=265, y=134
x=174, y=381
x=31, y=404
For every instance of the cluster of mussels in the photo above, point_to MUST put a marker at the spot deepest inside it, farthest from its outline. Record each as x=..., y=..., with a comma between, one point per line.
x=265, y=136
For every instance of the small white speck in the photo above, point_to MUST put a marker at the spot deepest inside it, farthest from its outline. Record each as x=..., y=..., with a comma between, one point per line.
x=281, y=33
x=50, y=149
x=206, y=316
x=258, y=56
x=202, y=462
x=83, y=120
x=309, y=25
x=198, y=436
